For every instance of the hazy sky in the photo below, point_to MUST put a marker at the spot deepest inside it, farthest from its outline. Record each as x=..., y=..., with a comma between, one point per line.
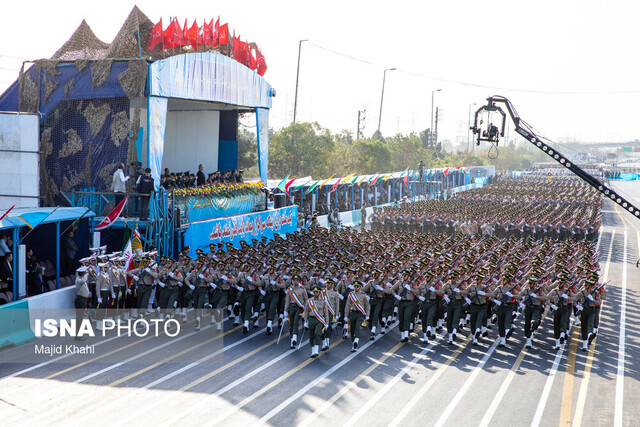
x=571, y=68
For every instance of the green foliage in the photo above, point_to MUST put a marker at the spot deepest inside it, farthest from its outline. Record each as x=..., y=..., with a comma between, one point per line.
x=303, y=149
x=247, y=149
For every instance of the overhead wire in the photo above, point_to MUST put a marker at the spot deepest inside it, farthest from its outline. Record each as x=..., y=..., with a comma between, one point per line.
x=478, y=85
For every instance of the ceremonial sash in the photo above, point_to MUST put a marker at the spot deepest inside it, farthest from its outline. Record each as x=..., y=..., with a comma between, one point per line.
x=329, y=307
x=356, y=302
x=295, y=298
x=317, y=313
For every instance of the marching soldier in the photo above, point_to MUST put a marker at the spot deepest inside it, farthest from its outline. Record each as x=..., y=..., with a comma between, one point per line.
x=105, y=289
x=221, y=288
x=144, y=278
x=316, y=317
x=295, y=302
x=358, y=309
x=272, y=287
x=332, y=301
x=198, y=280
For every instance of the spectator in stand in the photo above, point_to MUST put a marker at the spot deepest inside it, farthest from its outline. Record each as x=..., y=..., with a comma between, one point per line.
x=31, y=264
x=4, y=247
x=145, y=186
x=6, y=269
x=239, y=178
x=234, y=177
x=118, y=185
x=70, y=251
x=38, y=286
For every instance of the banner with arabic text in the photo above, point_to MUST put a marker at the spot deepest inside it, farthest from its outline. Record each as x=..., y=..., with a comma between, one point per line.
x=241, y=227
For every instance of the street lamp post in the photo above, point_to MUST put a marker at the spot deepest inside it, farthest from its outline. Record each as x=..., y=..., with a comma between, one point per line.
x=384, y=76
x=431, y=128
x=295, y=101
x=469, y=126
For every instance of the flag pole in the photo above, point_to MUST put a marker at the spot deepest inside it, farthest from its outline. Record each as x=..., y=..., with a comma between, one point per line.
x=78, y=219
x=7, y=212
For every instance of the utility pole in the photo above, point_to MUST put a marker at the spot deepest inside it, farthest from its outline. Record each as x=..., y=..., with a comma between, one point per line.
x=431, y=128
x=435, y=135
x=362, y=116
x=295, y=101
x=384, y=76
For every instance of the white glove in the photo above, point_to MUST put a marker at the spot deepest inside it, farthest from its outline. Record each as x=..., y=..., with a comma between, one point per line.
x=341, y=296
x=180, y=284
x=565, y=296
x=262, y=292
x=128, y=290
x=240, y=288
x=147, y=270
x=249, y=279
x=172, y=276
x=407, y=287
x=533, y=295
x=467, y=300
x=273, y=282
x=456, y=290
x=119, y=294
x=397, y=297
x=262, y=276
x=589, y=297
x=285, y=277
x=321, y=281
x=201, y=276
x=483, y=293
x=224, y=277
x=346, y=320
x=136, y=278
x=509, y=294
x=161, y=284
x=350, y=287
x=388, y=284
x=579, y=307
x=446, y=298
x=498, y=303
x=366, y=318
x=306, y=325
x=555, y=307
x=213, y=285
x=113, y=296
x=421, y=298
x=192, y=287
x=99, y=300
x=432, y=289
x=378, y=287
x=90, y=294
x=285, y=314
x=521, y=305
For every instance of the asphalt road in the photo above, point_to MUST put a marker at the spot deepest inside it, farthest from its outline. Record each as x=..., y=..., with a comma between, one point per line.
x=249, y=380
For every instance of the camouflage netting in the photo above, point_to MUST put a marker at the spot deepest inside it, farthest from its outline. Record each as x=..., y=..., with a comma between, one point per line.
x=91, y=110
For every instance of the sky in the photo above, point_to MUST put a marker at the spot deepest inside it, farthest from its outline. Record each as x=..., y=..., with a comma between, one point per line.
x=571, y=68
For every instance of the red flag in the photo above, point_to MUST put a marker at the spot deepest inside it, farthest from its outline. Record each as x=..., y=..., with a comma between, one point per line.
x=208, y=34
x=335, y=186
x=7, y=212
x=184, y=39
x=287, y=185
x=236, y=49
x=167, y=36
x=223, y=34
x=216, y=33
x=112, y=217
x=445, y=172
x=156, y=35
x=261, y=63
x=192, y=36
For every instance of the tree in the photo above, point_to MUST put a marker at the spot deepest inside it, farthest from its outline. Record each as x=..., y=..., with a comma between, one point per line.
x=300, y=149
x=247, y=149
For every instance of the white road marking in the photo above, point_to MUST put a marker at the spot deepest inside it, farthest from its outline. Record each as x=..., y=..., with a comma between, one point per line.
x=617, y=420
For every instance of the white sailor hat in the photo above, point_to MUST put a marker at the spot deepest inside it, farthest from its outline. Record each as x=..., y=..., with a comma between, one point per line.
x=103, y=249
x=103, y=264
x=87, y=259
x=94, y=249
x=81, y=269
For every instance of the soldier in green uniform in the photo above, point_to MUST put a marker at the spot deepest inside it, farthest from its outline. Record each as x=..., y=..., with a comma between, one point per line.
x=295, y=301
x=357, y=309
x=316, y=318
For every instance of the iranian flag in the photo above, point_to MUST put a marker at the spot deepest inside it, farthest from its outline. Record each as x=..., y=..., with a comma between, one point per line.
x=132, y=249
x=112, y=217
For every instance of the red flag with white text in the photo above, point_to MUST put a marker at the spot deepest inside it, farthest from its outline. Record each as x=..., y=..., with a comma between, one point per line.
x=112, y=217
x=156, y=35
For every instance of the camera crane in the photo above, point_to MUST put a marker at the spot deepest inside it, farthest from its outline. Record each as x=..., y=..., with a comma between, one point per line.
x=493, y=133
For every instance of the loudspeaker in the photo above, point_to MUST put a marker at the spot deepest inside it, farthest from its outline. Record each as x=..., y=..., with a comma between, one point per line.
x=279, y=201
